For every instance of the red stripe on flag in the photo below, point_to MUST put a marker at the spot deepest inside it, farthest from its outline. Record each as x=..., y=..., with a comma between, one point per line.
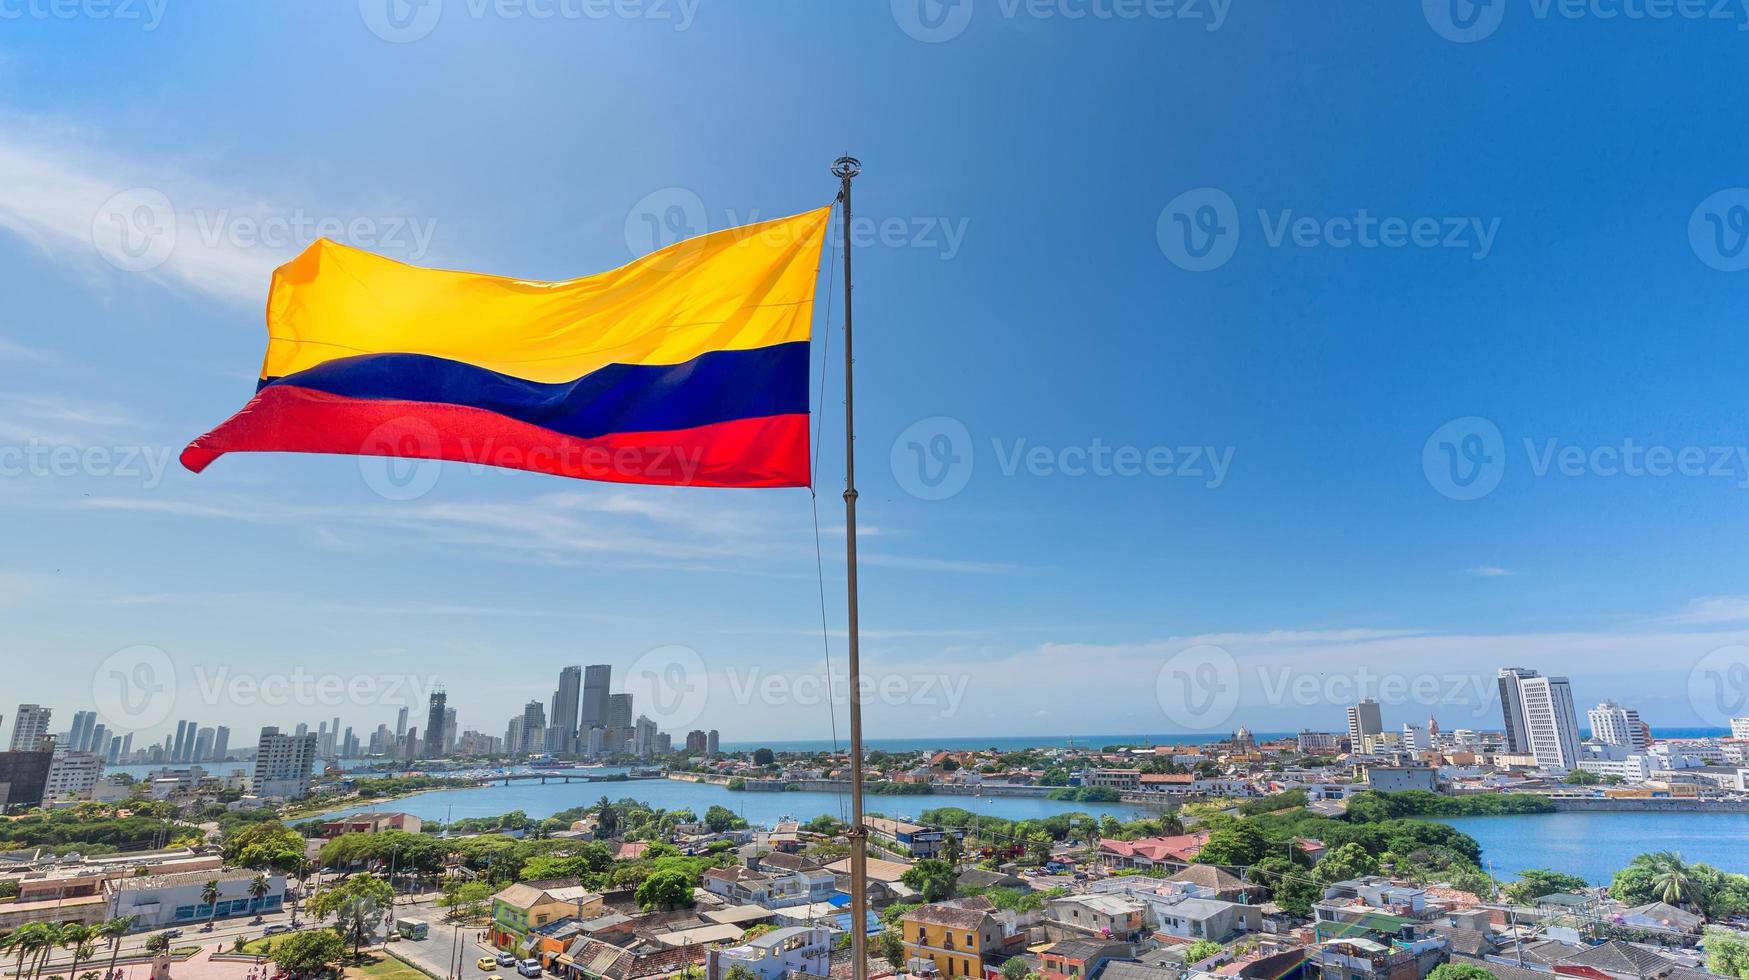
x=758, y=452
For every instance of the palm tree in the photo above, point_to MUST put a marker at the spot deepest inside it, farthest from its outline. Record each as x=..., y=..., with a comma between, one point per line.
x=209, y=894
x=29, y=941
x=1671, y=877
x=76, y=936
x=112, y=930
x=258, y=889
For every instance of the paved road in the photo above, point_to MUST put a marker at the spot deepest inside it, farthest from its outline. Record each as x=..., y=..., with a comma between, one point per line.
x=439, y=951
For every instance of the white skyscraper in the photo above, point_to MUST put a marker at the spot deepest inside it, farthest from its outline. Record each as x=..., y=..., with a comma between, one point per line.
x=1551, y=723
x=283, y=764
x=1363, y=719
x=1512, y=709
x=1613, y=724
x=29, y=727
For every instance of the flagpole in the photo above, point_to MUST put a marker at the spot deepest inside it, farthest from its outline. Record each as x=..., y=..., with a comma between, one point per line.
x=845, y=168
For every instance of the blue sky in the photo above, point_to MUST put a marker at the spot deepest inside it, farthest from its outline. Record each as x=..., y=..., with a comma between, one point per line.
x=1562, y=266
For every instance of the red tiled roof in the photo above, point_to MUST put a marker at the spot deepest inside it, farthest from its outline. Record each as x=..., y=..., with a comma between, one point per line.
x=1183, y=847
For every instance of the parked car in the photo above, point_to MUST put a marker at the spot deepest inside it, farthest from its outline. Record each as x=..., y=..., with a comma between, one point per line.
x=506, y=959
x=276, y=929
x=486, y=963
x=529, y=968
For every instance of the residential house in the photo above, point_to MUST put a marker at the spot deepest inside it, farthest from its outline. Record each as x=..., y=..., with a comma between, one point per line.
x=1147, y=853
x=1080, y=959
x=1113, y=916
x=952, y=939
x=529, y=905
x=777, y=889
x=1189, y=918
x=1213, y=882
x=777, y=955
x=373, y=822
x=916, y=840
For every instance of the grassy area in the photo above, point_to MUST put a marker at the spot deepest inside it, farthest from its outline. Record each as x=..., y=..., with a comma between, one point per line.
x=258, y=946
x=377, y=966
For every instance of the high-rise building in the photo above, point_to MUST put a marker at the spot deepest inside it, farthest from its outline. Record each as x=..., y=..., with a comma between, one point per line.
x=29, y=727
x=619, y=711
x=401, y=722
x=1512, y=709
x=644, y=737
x=1613, y=724
x=283, y=764
x=711, y=742
x=434, y=719
x=221, y=743
x=24, y=774
x=449, y=731
x=695, y=741
x=567, y=701
x=72, y=774
x=203, y=746
x=534, y=727
x=1364, y=719
x=597, y=679
x=79, y=736
x=1551, y=723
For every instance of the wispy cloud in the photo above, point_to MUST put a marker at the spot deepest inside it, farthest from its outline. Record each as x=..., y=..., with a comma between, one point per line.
x=1489, y=571
x=1713, y=609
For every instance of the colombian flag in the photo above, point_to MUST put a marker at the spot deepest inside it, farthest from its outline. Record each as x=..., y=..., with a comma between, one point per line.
x=687, y=366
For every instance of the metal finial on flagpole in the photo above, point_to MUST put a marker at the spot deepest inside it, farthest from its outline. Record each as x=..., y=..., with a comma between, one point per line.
x=845, y=168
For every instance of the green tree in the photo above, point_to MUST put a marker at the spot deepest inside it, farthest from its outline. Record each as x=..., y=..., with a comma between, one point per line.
x=606, y=819
x=763, y=757
x=952, y=850
x=1016, y=968
x=209, y=896
x=932, y=878
x=358, y=905
x=258, y=891
x=1290, y=885
x=721, y=819
x=1459, y=971
x=1346, y=862
x=1238, y=843
x=304, y=953
x=1727, y=953
x=1534, y=883
x=77, y=938
x=891, y=945
x=111, y=931
x=670, y=888
x=1201, y=950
